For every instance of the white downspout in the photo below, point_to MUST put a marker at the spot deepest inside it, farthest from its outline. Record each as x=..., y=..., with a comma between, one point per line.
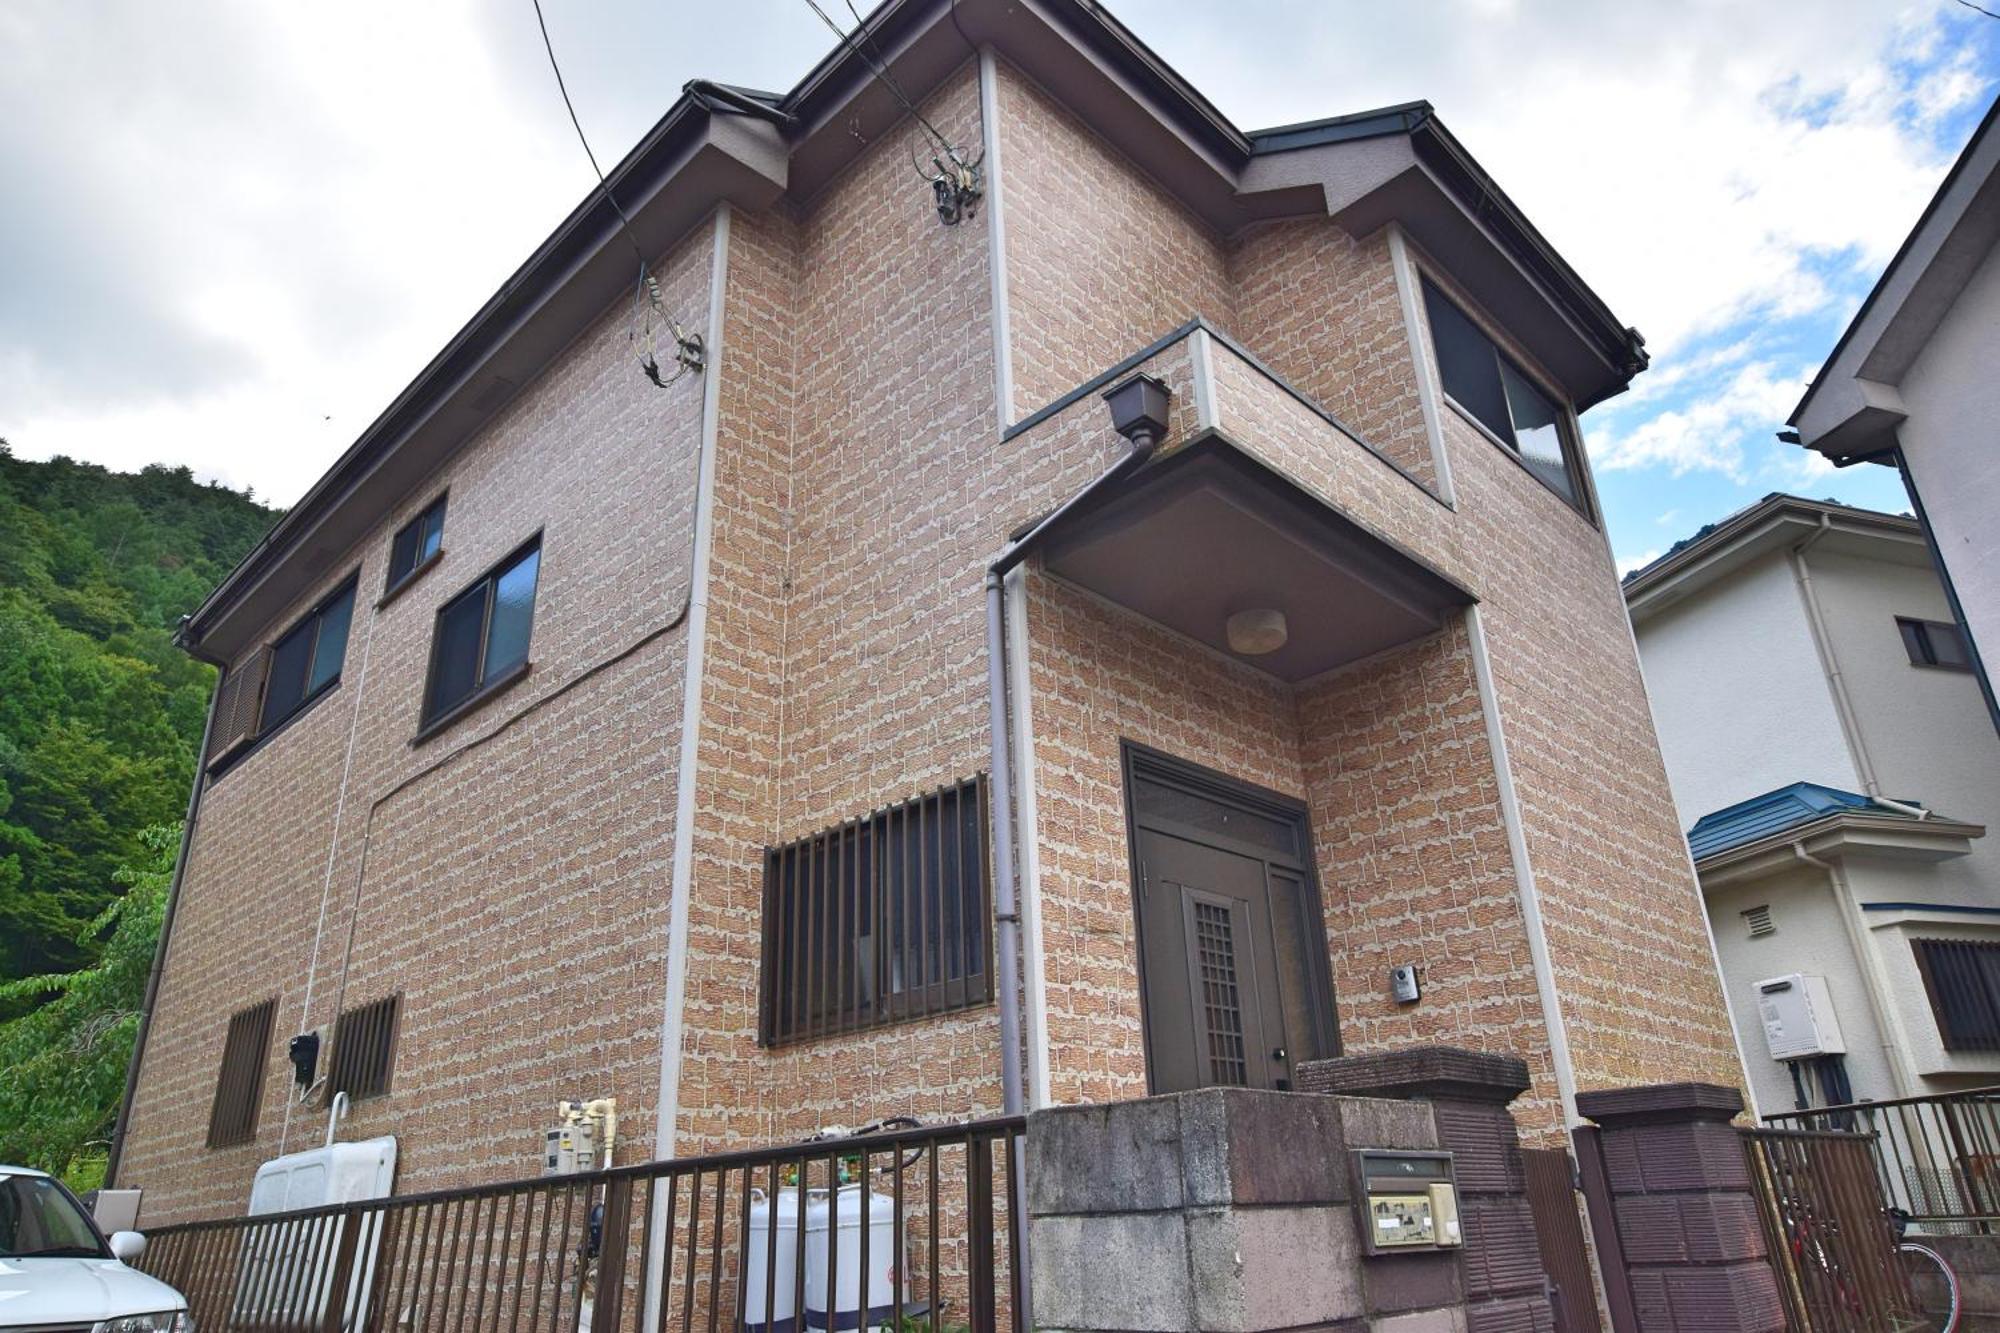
x=1843, y=704
x=667, y=1107
x=1027, y=846
x=1870, y=963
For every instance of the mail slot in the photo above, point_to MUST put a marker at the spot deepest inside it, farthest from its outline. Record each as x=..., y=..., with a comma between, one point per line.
x=1407, y=1201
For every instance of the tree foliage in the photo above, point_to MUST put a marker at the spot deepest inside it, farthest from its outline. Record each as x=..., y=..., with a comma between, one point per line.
x=62, y=1062
x=100, y=714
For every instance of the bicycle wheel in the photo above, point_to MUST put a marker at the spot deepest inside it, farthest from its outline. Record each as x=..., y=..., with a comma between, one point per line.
x=1930, y=1280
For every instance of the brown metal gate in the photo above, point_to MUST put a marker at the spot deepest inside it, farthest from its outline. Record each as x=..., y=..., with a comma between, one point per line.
x=1559, y=1235
x=1826, y=1225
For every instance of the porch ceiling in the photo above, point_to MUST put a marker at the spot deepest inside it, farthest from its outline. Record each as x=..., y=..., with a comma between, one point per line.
x=1194, y=537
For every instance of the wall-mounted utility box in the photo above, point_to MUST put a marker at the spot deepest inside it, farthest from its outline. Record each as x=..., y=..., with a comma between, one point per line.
x=1407, y=1201
x=569, y=1149
x=1797, y=1010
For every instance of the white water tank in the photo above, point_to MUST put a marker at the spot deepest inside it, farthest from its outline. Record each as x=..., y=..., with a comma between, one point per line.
x=287, y=1271
x=763, y=1270
x=885, y=1266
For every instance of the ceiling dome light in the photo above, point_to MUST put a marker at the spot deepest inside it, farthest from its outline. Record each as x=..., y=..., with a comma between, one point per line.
x=1256, y=632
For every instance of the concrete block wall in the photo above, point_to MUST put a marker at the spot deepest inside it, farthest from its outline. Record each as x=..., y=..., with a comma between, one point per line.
x=1224, y=1209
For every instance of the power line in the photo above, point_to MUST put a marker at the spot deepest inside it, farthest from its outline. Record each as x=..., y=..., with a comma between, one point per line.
x=1979, y=9
x=882, y=76
x=687, y=346
x=602, y=184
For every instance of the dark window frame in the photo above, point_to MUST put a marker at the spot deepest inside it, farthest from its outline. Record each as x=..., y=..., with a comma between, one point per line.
x=224, y=755
x=432, y=720
x=365, y=1070
x=316, y=620
x=1567, y=435
x=807, y=933
x=1920, y=641
x=239, y=1082
x=394, y=580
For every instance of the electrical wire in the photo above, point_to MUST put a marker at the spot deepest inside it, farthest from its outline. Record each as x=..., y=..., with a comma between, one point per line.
x=602, y=184
x=1979, y=9
x=687, y=347
x=881, y=72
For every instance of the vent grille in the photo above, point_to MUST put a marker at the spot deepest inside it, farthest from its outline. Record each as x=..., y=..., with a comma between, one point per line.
x=364, y=1049
x=1759, y=921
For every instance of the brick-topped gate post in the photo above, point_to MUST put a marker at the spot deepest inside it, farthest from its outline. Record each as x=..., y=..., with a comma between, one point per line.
x=1682, y=1201
x=1469, y=1092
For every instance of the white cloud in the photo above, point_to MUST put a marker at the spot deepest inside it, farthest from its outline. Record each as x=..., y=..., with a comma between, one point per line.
x=1628, y=563
x=1711, y=427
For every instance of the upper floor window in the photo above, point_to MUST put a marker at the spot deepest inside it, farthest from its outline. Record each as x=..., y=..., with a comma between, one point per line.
x=1934, y=643
x=1486, y=382
x=277, y=681
x=481, y=640
x=1962, y=979
x=880, y=919
x=307, y=660
x=416, y=545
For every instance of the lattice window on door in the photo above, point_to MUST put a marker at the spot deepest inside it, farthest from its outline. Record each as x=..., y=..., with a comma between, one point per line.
x=1222, y=1006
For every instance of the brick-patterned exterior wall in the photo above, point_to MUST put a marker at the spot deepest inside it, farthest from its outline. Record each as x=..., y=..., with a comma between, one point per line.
x=1324, y=313
x=1100, y=259
x=515, y=894
x=518, y=896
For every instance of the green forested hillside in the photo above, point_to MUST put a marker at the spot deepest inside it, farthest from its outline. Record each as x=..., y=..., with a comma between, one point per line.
x=100, y=714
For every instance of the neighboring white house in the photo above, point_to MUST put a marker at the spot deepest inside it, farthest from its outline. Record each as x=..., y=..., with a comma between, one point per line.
x=1912, y=384
x=1830, y=755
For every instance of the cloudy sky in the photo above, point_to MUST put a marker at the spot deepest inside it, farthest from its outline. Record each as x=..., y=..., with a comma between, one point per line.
x=234, y=229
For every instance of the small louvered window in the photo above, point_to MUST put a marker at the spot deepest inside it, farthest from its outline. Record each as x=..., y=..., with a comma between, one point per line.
x=239, y=1087
x=1759, y=921
x=1962, y=979
x=881, y=919
x=364, y=1049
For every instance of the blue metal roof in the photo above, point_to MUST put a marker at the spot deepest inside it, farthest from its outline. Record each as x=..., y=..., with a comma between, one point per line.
x=1774, y=812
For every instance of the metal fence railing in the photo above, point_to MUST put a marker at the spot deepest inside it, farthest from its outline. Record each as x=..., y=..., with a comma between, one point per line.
x=1828, y=1233
x=1938, y=1156
x=910, y=1232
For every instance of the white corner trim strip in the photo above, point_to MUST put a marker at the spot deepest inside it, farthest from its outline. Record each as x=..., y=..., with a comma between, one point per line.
x=1407, y=288
x=996, y=238
x=1027, y=836
x=1524, y=874
x=667, y=1107
x=1202, y=355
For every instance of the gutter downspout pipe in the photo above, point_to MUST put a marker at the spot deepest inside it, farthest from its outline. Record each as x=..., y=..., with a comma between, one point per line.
x=1843, y=704
x=1006, y=899
x=115, y=1158
x=1865, y=958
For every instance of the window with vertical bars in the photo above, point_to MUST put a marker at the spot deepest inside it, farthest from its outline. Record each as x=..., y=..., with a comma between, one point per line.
x=239, y=1087
x=881, y=919
x=1221, y=998
x=1962, y=978
x=364, y=1049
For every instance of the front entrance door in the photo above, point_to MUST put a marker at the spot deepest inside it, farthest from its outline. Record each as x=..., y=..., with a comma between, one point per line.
x=1232, y=951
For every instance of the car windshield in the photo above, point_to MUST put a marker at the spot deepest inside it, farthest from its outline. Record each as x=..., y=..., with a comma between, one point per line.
x=40, y=1220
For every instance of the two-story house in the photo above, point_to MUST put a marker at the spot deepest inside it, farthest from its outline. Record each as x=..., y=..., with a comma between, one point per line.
x=1910, y=385
x=763, y=746
x=1829, y=753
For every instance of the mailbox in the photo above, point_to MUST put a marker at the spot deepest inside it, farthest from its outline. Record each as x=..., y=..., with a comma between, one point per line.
x=1407, y=1201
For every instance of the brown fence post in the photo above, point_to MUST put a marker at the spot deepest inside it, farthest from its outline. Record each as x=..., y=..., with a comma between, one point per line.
x=1686, y=1216
x=1612, y=1269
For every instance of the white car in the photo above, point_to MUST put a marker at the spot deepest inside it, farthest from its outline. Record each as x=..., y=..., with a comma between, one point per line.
x=59, y=1274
